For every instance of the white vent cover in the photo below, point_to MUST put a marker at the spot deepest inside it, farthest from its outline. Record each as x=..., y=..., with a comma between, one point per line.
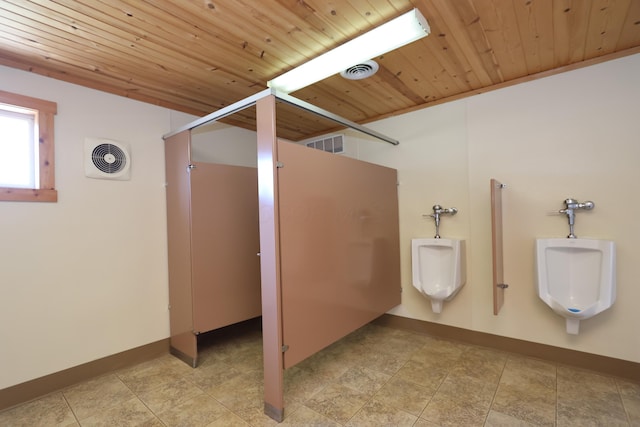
x=360, y=71
x=107, y=159
x=330, y=144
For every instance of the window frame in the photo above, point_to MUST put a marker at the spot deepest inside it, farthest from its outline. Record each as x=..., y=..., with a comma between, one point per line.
x=45, y=112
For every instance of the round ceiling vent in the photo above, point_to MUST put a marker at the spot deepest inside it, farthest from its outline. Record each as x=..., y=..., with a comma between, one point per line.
x=360, y=71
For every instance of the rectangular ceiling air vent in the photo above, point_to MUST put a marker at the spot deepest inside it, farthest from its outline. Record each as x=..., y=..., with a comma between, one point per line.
x=330, y=144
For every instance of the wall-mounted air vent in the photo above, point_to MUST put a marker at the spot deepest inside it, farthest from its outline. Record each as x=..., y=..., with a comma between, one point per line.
x=107, y=159
x=330, y=144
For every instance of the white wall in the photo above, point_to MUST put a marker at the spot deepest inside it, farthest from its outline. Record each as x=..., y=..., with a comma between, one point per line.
x=85, y=277
x=570, y=135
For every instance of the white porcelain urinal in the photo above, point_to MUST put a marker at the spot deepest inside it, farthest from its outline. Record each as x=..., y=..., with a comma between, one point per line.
x=439, y=269
x=576, y=277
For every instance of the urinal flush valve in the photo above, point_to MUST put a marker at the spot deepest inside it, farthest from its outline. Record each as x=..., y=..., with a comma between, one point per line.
x=437, y=212
x=571, y=206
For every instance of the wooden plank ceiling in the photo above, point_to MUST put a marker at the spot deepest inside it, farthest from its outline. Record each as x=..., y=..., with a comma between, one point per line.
x=197, y=56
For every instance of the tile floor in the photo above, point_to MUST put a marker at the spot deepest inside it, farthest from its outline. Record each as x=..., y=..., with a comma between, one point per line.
x=376, y=376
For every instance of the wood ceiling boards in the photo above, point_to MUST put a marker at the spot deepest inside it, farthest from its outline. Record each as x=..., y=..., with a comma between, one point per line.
x=197, y=56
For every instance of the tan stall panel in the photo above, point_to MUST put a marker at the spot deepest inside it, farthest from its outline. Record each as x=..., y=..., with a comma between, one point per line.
x=339, y=243
x=177, y=158
x=225, y=245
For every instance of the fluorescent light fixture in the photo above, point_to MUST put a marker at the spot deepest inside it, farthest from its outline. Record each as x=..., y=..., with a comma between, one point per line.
x=396, y=33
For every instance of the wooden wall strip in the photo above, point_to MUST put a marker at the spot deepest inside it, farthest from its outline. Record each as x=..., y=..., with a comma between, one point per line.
x=33, y=389
x=603, y=364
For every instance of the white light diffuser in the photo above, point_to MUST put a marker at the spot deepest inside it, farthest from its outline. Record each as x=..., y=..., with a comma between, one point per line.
x=389, y=36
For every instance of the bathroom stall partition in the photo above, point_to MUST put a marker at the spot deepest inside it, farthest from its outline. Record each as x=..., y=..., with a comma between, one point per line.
x=214, y=269
x=338, y=246
x=328, y=242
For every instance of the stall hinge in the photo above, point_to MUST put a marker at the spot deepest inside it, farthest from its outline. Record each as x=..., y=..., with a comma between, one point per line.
x=285, y=348
x=279, y=165
x=502, y=285
x=190, y=167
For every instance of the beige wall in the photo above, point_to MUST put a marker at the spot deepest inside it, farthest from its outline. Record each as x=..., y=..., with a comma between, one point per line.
x=85, y=277
x=570, y=135
x=220, y=143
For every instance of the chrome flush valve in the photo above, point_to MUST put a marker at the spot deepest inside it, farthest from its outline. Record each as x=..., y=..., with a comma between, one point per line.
x=571, y=205
x=439, y=210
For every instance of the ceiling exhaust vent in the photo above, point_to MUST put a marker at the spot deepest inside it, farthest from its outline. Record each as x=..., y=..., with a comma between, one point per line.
x=360, y=71
x=330, y=144
x=107, y=159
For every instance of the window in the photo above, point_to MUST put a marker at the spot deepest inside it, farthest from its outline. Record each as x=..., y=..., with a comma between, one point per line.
x=26, y=149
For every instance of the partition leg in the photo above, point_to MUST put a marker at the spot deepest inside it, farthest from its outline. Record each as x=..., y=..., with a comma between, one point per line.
x=269, y=259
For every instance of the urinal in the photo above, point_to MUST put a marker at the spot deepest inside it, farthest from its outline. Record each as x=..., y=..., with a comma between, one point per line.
x=438, y=267
x=576, y=277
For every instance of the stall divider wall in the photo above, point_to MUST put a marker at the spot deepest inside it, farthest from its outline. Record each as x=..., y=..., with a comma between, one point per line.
x=339, y=246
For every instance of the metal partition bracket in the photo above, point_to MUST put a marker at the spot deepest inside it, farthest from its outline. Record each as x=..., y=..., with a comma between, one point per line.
x=251, y=100
x=328, y=115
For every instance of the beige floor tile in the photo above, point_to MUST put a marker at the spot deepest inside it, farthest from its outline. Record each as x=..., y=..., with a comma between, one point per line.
x=210, y=376
x=300, y=385
x=229, y=420
x=498, y=419
x=527, y=391
x=459, y=401
x=383, y=362
x=349, y=354
x=241, y=392
x=199, y=411
x=372, y=334
x=405, y=395
x=532, y=403
x=424, y=423
x=337, y=402
x=375, y=414
x=130, y=413
x=153, y=374
x=307, y=417
x=230, y=349
x=325, y=366
x=398, y=345
x=363, y=379
x=422, y=373
x=630, y=394
x=97, y=395
x=529, y=371
x=480, y=363
x=586, y=398
x=169, y=395
x=440, y=350
x=48, y=411
x=376, y=376
x=256, y=417
x=248, y=359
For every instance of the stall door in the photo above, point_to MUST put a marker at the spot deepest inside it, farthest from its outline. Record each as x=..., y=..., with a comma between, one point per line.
x=225, y=245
